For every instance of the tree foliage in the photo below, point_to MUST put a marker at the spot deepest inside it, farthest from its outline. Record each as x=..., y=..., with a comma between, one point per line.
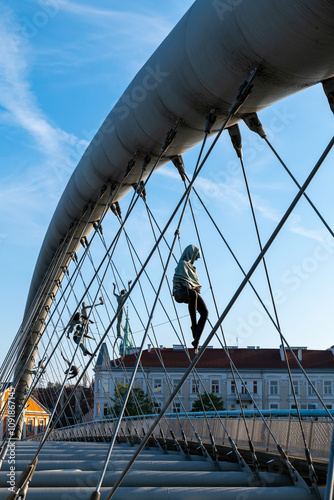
x=53, y=385
x=210, y=402
x=138, y=403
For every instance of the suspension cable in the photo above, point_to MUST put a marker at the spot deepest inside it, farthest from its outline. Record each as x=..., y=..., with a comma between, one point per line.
x=227, y=309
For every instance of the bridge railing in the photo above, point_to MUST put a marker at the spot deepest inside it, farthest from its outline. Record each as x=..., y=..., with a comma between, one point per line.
x=283, y=424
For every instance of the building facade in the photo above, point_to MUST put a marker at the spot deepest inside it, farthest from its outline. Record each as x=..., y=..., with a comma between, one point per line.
x=260, y=379
x=36, y=416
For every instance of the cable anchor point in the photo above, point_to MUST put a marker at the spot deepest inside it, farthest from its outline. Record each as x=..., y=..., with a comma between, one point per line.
x=243, y=93
x=235, y=136
x=178, y=163
x=210, y=121
x=253, y=123
x=169, y=138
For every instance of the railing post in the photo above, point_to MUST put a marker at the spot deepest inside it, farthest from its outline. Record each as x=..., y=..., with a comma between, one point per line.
x=237, y=433
x=330, y=472
x=268, y=439
x=288, y=434
x=310, y=435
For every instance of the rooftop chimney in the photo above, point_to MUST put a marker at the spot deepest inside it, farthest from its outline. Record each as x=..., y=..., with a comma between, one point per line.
x=148, y=347
x=281, y=351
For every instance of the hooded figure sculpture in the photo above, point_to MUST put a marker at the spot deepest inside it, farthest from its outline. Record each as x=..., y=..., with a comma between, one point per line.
x=186, y=289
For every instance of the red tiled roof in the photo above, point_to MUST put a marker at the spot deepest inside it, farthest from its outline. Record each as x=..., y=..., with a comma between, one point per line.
x=243, y=358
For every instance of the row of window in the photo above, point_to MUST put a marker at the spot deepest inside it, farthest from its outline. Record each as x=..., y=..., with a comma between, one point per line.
x=157, y=385
x=30, y=426
x=327, y=387
x=252, y=387
x=276, y=406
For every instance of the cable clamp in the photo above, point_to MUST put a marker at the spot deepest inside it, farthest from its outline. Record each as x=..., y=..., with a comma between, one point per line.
x=243, y=92
x=169, y=138
x=178, y=163
x=146, y=161
x=210, y=121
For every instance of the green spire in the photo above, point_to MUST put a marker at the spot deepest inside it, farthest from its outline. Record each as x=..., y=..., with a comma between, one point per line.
x=126, y=343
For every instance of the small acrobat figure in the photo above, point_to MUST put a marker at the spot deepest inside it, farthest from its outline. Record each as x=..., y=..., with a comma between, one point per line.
x=120, y=309
x=73, y=371
x=80, y=317
x=85, y=307
x=39, y=368
x=79, y=339
x=76, y=320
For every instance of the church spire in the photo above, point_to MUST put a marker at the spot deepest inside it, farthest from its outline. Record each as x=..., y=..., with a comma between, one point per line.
x=127, y=343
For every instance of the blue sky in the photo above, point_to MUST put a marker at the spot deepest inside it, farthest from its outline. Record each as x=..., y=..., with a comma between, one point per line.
x=63, y=67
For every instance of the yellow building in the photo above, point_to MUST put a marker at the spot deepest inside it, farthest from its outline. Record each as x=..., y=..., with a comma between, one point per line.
x=35, y=419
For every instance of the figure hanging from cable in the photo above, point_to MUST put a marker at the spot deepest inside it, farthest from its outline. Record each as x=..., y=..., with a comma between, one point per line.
x=186, y=289
x=85, y=307
x=39, y=369
x=73, y=371
x=120, y=309
x=79, y=338
x=80, y=317
x=77, y=319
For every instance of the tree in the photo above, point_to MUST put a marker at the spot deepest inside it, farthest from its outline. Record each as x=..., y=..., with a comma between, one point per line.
x=53, y=385
x=210, y=402
x=138, y=403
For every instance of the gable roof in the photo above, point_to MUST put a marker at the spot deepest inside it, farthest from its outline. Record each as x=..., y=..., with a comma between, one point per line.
x=243, y=359
x=103, y=359
x=33, y=404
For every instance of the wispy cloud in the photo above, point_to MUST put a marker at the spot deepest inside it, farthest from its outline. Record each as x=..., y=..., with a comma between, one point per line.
x=52, y=148
x=127, y=21
x=295, y=226
x=20, y=105
x=232, y=195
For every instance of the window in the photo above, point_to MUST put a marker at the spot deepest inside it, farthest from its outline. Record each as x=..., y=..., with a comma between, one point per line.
x=215, y=386
x=232, y=407
x=244, y=388
x=176, y=382
x=30, y=426
x=273, y=388
x=41, y=426
x=194, y=386
x=176, y=407
x=105, y=384
x=105, y=410
x=273, y=406
x=98, y=409
x=157, y=406
x=310, y=390
x=254, y=386
x=157, y=385
x=232, y=387
x=312, y=406
x=329, y=407
x=327, y=387
x=295, y=386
